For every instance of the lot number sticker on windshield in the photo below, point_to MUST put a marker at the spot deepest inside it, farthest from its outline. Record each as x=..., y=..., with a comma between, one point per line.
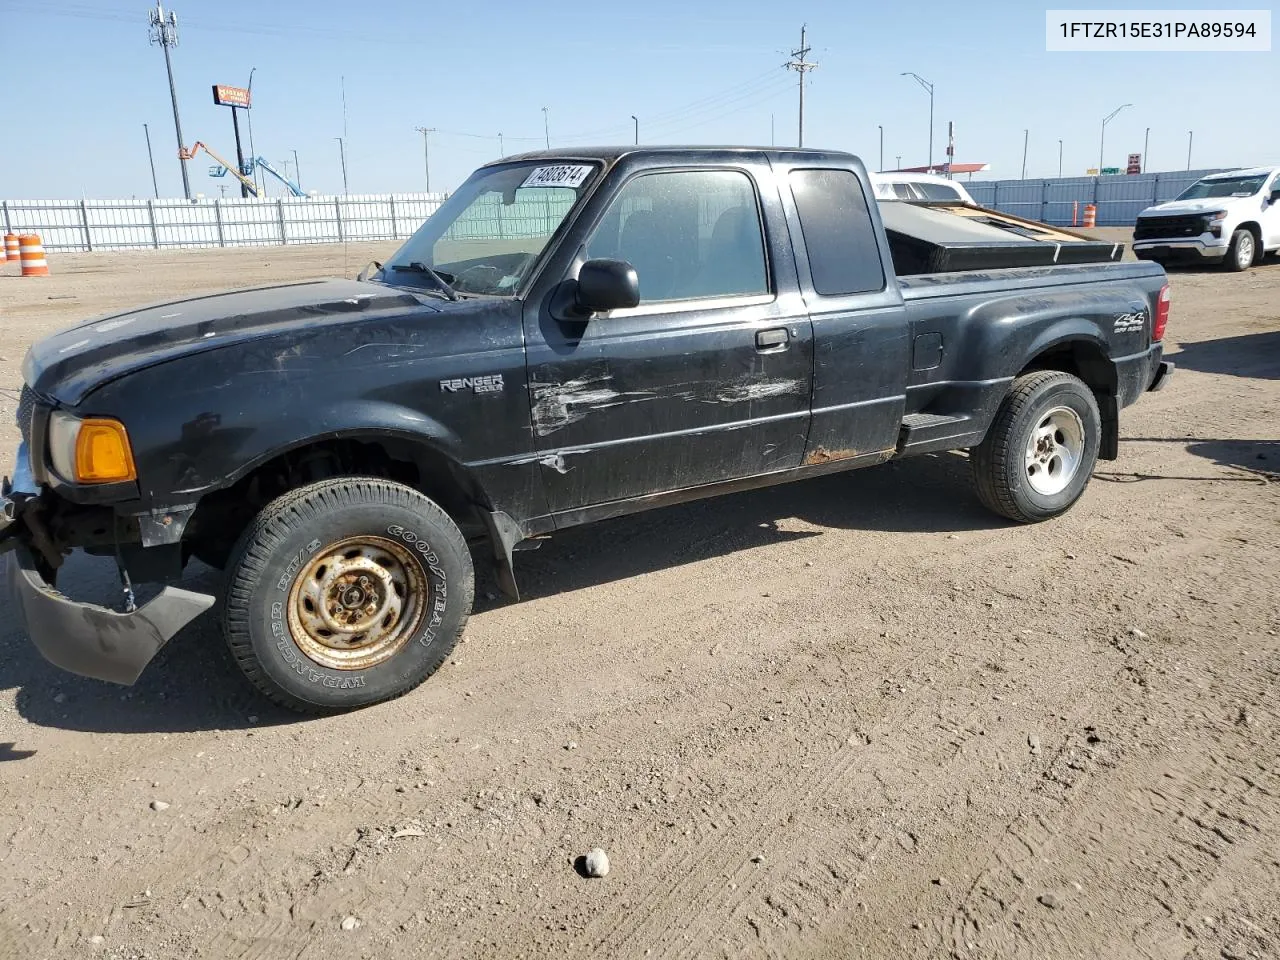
x=562, y=175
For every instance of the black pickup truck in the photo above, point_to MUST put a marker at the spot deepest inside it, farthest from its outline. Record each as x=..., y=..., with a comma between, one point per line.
x=570, y=337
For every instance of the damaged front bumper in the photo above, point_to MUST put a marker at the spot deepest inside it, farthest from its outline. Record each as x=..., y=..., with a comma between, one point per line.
x=82, y=638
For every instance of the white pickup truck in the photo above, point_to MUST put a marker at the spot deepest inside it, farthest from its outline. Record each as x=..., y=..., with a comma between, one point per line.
x=1232, y=218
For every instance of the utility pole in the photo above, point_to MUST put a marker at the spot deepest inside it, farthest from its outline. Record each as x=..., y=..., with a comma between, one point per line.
x=800, y=65
x=951, y=147
x=773, y=142
x=637, y=123
x=342, y=153
x=253, y=151
x=1189, y=133
x=1103, y=141
x=297, y=170
x=150, y=156
x=1059, y=159
x=546, y=128
x=1026, y=135
x=929, y=87
x=502, y=152
x=1146, y=141
x=164, y=31
x=880, y=169
x=426, y=152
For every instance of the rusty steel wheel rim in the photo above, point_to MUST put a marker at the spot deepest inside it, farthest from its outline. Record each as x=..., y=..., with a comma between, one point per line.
x=357, y=602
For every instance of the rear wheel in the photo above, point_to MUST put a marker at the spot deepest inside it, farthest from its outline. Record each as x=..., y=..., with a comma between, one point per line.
x=345, y=593
x=1036, y=459
x=1241, y=252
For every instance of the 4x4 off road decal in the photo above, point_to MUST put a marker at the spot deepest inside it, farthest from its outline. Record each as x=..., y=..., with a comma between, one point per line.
x=1130, y=322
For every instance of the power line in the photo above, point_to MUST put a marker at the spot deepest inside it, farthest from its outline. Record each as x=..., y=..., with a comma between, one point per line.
x=800, y=65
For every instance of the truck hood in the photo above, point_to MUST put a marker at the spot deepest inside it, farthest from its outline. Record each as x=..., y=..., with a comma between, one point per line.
x=1173, y=208
x=67, y=365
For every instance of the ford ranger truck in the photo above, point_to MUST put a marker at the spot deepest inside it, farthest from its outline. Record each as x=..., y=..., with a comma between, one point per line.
x=570, y=337
x=1231, y=219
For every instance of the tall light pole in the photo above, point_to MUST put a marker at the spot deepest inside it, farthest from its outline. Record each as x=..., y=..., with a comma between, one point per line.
x=426, y=152
x=637, y=123
x=1189, y=132
x=150, y=156
x=899, y=161
x=342, y=154
x=546, y=128
x=881, y=168
x=253, y=151
x=1059, y=159
x=1102, y=143
x=928, y=86
x=164, y=31
x=297, y=170
x=1026, y=135
x=1146, y=140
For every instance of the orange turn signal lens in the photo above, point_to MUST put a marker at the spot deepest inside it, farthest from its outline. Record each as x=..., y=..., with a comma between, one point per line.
x=102, y=453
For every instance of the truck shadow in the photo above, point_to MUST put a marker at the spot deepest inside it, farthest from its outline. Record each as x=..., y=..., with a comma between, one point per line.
x=1255, y=355
x=194, y=685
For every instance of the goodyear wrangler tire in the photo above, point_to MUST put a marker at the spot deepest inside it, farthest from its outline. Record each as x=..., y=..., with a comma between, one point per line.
x=345, y=593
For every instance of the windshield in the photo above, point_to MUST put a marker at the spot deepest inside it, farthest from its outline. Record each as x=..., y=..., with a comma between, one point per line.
x=485, y=238
x=1224, y=187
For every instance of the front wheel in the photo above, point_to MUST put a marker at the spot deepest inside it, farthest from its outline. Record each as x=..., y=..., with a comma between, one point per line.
x=345, y=593
x=1039, y=453
x=1241, y=252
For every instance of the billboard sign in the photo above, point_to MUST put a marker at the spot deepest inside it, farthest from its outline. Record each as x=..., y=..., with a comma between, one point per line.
x=1135, y=164
x=225, y=96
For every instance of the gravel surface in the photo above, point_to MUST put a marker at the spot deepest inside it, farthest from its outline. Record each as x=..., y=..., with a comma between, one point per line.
x=854, y=716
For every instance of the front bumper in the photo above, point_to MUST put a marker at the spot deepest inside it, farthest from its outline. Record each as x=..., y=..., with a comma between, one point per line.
x=1203, y=247
x=91, y=640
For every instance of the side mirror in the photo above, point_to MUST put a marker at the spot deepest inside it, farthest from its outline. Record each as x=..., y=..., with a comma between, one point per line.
x=607, y=285
x=1275, y=195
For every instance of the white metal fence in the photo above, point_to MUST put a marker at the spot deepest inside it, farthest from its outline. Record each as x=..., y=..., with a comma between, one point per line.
x=68, y=225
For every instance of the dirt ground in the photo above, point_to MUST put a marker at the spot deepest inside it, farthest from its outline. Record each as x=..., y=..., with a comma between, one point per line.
x=855, y=716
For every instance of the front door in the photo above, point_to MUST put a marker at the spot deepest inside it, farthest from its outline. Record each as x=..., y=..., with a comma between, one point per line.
x=708, y=379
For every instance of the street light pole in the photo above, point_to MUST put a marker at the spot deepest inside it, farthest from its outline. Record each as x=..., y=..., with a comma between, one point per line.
x=546, y=128
x=1146, y=140
x=928, y=86
x=1189, y=132
x=501, y=150
x=426, y=152
x=1102, y=143
x=297, y=170
x=1026, y=135
x=253, y=152
x=1059, y=159
x=637, y=123
x=881, y=168
x=150, y=156
x=342, y=153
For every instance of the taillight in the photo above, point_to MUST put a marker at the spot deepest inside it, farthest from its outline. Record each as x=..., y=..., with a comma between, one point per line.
x=1162, y=314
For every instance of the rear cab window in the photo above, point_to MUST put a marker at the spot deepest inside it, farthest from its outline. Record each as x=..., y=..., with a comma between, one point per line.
x=839, y=234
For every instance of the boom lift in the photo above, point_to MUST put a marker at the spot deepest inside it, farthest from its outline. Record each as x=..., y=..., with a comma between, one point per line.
x=188, y=153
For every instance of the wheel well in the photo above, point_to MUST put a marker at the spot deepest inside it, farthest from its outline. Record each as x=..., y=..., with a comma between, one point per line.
x=1254, y=228
x=222, y=516
x=1084, y=359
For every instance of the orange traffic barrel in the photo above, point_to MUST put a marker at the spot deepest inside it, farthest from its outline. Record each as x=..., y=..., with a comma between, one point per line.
x=31, y=252
x=11, y=246
x=1090, y=215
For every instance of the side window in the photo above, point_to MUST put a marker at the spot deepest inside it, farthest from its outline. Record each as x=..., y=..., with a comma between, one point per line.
x=690, y=235
x=838, y=232
x=938, y=191
x=904, y=191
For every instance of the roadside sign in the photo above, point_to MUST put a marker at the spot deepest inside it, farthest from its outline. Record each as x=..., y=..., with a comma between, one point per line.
x=1108, y=171
x=225, y=96
x=1135, y=164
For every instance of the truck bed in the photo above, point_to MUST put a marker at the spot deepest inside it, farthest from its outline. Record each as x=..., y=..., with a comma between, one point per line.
x=945, y=238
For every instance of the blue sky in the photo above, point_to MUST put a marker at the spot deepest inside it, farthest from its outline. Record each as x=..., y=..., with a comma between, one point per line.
x=80, y=79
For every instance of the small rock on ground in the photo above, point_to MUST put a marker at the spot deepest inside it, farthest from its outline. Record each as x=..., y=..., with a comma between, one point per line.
x=597, y=863
x=1034, y=743
x=1048, y=900
x=159, y=805
x=350, y=923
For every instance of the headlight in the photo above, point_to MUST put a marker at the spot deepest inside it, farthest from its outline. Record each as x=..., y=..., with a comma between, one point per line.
x=93, y=450
x=1217, y=216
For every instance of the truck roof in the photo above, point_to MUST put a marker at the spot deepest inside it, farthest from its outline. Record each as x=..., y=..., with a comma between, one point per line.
x=610, y=154
x=1246, y=172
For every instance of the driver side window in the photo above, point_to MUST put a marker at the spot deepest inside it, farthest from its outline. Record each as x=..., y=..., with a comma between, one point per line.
x=690, y=235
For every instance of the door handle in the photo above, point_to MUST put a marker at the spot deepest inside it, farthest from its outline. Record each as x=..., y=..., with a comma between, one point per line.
x=771, y=341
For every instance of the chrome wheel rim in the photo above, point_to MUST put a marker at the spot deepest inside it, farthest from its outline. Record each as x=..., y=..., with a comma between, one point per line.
x=1054, y=451
x=1244, y=252
x=357, y=602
